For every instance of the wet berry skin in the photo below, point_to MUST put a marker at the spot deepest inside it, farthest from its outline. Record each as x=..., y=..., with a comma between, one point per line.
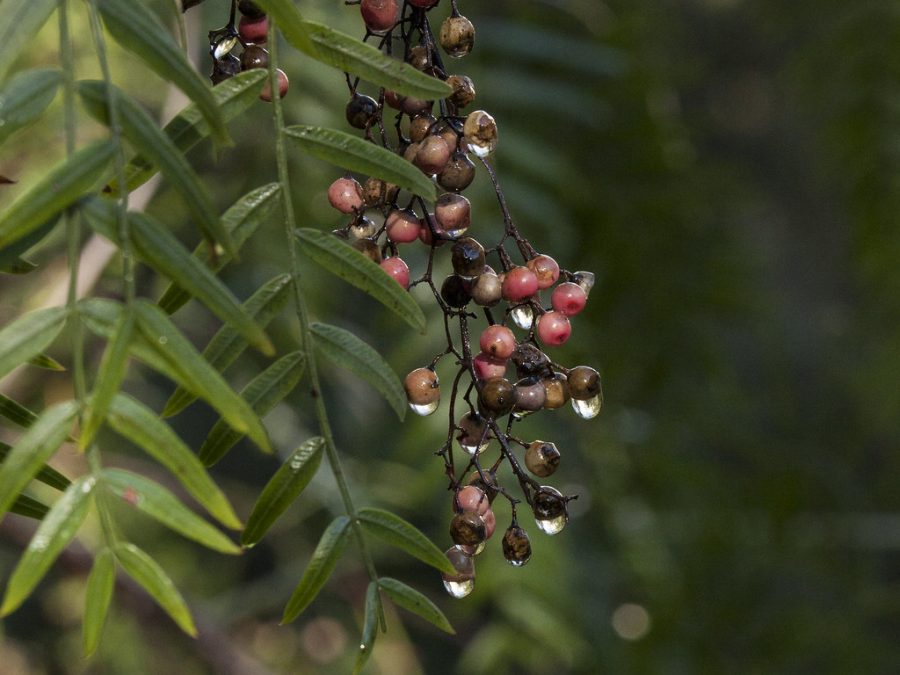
x=345, y=194
x=283, y=84
x=397, y=269
x=402, y=226
x=554, y=328
x=498, y=341
x=253, y=30
x=379, y=15
x=487, y=366
x=520, y=284
x=568, y=298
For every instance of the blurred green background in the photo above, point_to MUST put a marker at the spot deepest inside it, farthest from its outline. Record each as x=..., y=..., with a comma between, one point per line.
x=729, y=170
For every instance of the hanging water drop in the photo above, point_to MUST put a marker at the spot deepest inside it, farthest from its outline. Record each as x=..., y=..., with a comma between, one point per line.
x=459, y=589
x=552, y=525
x=224, y=47
x=425, y=408
x=522, y=316
x=588, y=408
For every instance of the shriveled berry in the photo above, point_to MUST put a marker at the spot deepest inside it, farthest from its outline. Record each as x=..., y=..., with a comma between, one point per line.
x=553, y=328
x=402, y=226
x=453, y=212
x=487, y=366
x=516, y=546
x=530, y=361
x=250, y=9
x=568, y=298
x=369, y=248
x=530, y=394
x=497, y=395
x=520, y=284
x=454, y=291
x=467, y=254
x=363, y=228
x=420, y=126
x=283, y=84
x=458, y=173
x=473, y=436
x=542, y=458
x=375, y=191
x=467, y=529
x=486, y=289
x=457, y=36
x=345, y=194
x=471, y=498
x=584, y=383
x=418, y=57
x=463, y=90
x=498, y=341
x=379, y=15
x=397, y=269
x=422, y=387
x=432, y=156
x=557, y=388
x=361, y=111
x=480, y=132
x=254, y=56
x=545, y=269
x=253, y=31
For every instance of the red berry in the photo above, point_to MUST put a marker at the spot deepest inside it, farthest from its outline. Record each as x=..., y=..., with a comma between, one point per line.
x=345, y=194
x=397, y=269
x=266, y=93
x=568, y=298
x=253, y=30
x=471, y=498
x=554, y=328
x=402, y=226
x=486, y=366
x=497, y=341
x=546, y=270
x=519, y=284
x=490, y=523
x=379, y=15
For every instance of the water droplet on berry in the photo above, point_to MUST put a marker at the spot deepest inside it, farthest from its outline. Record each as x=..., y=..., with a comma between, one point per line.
x=424, y=409
x=224, y=47
x=588, y=408
x=459, y=589
x=553, y=525
x=523, y=317
x=474, y=550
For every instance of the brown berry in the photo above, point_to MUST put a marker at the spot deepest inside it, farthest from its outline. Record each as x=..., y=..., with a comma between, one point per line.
x=516, y=546
x=584, y=383
x=468, y=529
x=542, y=458
x=463, y=90
x=557, y=388
x=458, y=173
x=457, y=36
x=432, y=156
x=497, y=395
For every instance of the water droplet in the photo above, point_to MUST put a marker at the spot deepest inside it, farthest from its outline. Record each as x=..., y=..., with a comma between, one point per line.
x=521, y=414
x=224, y=47
x=459, y=589
x=456, y=234
x=296, y=463
x=163, y=340
x=481, y=149
x=588, y=408
x=473, y=449
x=522, y=316
x=473, y=550
x=425, y=409
x=518, y=563
x=553, y=525
x=585, y=280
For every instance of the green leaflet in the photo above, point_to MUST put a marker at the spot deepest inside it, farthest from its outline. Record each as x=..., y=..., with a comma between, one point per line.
x=33, y=450
x=16, y=412
x=289, y=21
x=10, y=260
x=262, y=393
x=29, y=507
x=25, y=97
x=100, y=586
x=137, y=29
x=22, y=19
x=392, y=529
x=226, y=345
x=147, y=572
x=162, y=251
x=61, y=187
x=353, y=267
x=46, y=362
x=370, y=627
x=344, y=349
x=46, y=475
x=55, y=532
x=411, y=600
x=320, y=566
x=241, y=220
x=283, y=489
x=17, y=266
x=141, y=426
x=143, y=134
x=29, y=335
x=160, y=504
x=189, y=127
x=357, y=154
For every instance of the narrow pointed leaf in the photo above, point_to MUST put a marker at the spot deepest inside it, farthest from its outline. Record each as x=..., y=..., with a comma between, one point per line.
x=98, y=595
x=162, y=251
x=370, y=627
x=47, y=363
x=54, y=533
x=33, y=450
x=10, y=256
x=160, y=504
x=22, y=19
x=25, y=97
x=196, y=375
x=113, y=367
x=262, y=393
x=357, y=154
x=241, y=220
x=17, y=266
x=283, y=489
x=320, y=567
x=355, y=268
x=16, y=412
x=147, y=572
x=46, y=475
x=392, y=529
x=410, y=599
x=136, y=28
x=226, y=345
x=289, y=21
x=147, y=138
x=344, y=349
x=347, y=53
x=61, y=187
x=29, y=507
x=187, y=128
x=29, y=335
x=138, y=424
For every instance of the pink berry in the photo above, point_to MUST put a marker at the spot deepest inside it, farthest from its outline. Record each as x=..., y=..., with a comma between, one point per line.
x=490, y=523
x=253, y=30
x=453, y=212
x=397, y=269
x=546, y=270
x=568, y=298
x=520, y=283
x=266, y=93
x=433, y=155
x=472, y=498
x=554, y=328
x=425, y=233
x=486, y=366
x=345, y=194
x=402, y=226
x=379, y=15
x=497, y=341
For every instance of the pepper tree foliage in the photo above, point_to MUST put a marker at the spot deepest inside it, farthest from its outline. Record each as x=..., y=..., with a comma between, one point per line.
x=90, y=189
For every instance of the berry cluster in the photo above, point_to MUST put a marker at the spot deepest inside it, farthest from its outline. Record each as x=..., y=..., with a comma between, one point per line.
x=251, y=32
x=442, y=142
